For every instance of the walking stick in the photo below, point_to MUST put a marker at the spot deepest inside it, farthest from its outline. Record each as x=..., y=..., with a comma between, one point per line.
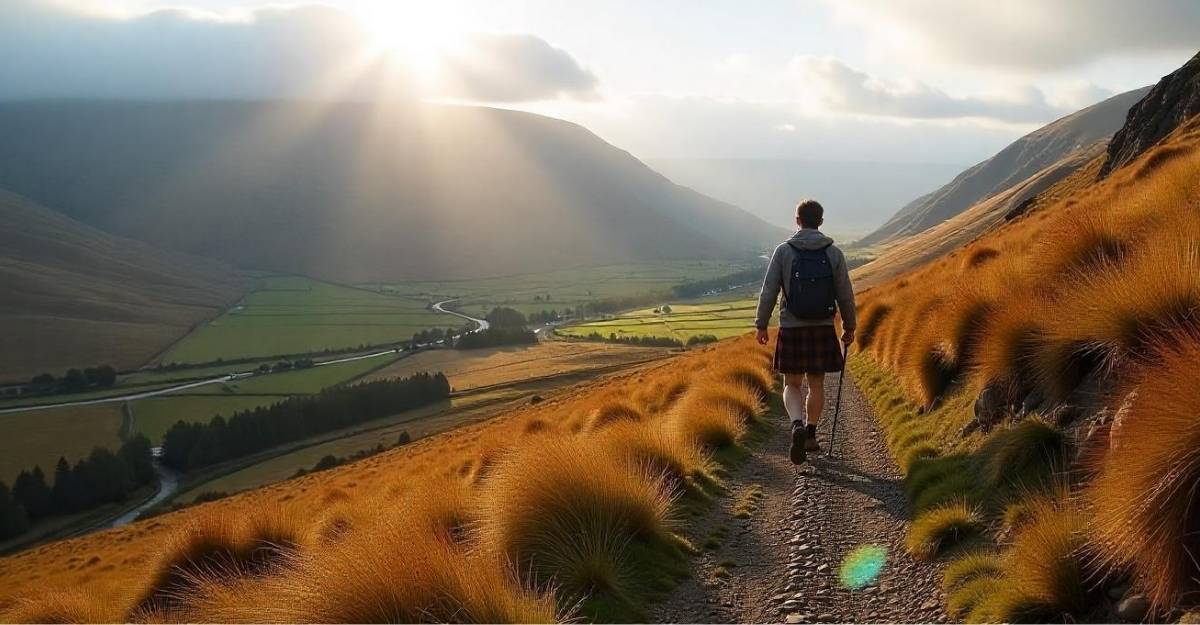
x=837, y=409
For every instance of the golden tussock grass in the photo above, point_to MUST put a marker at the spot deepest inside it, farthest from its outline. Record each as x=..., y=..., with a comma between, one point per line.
x=1144, y=490
x=221, y=547
x=1044, y=571
x=937, y=530
x=393, y=573
x=613, y=411
x=567, y=510
x=658, y=447
x=1123, y=313
x=66, y=607
x=493, y=521
x=972, y=566
x=870, y=323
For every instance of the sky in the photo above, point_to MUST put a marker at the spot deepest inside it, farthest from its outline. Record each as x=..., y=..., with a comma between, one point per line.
x=938, y=81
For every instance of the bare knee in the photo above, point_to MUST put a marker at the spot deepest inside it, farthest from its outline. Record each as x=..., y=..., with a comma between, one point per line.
x=816, y=383
x=795, y=380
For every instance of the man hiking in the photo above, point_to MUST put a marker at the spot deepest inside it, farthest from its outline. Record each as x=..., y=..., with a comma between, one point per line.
x=811, y=271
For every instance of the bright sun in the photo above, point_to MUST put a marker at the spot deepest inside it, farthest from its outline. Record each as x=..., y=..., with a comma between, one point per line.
x=418, y=33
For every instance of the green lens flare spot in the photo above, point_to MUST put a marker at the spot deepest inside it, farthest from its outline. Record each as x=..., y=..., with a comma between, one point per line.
x=863, y=566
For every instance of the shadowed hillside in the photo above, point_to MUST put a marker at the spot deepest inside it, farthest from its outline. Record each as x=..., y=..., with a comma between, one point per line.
x=76, y=297
x=1023, y=159
x=361, y=192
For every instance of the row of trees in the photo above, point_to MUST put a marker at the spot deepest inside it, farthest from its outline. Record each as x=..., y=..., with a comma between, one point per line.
x=189, y=446
x=103, y=477
x=645, y=341
x=432, y=336
x=73, y=381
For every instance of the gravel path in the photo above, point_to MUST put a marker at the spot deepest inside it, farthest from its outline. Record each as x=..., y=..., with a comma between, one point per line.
x=782, y=563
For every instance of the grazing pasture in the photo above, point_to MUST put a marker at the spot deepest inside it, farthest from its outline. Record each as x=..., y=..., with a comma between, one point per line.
x=722, y=319
x=293, y=315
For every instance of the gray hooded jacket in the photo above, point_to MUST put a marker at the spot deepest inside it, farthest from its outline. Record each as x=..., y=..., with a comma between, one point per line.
x=777, y=271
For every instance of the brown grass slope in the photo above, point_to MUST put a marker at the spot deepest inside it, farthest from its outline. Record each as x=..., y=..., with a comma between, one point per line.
x=75, y=296
x=1043, y=376
x=495, y=522
x=362, y=192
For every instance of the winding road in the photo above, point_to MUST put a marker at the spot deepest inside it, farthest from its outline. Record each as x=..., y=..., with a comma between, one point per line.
x=481, y=324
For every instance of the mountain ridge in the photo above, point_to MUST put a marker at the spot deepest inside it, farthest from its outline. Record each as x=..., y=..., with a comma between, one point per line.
x=1015, y=163
x=358, y=192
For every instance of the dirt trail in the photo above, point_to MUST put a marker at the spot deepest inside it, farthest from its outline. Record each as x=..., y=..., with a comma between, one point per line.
x=783, y=562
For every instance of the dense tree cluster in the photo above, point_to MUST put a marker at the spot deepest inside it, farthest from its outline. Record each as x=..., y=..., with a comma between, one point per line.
x=701, y=339
x=696, y=288
x=188, y=446
x=503, y=317
x=496, y=336
x=103, y=477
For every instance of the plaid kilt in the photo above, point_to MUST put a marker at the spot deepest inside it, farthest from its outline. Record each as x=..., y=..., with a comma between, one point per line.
x=809, y=349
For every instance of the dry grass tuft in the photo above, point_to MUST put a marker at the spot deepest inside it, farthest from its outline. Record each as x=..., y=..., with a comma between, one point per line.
x=1144, y=489
x=609, y=413
x=757, y=379
x=656, y=447
x=1028, y=456
x=392, y=574
x=871, y=321
x=980, y=564
x=1043, y=569
x=708, y=426
x=567, y=510
x=937, y=530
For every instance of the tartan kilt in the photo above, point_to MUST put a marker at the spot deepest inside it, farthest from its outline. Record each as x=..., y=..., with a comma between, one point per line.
x=809, y=349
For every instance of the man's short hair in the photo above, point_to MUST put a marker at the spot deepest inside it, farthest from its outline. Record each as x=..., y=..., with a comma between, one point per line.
x=810, y=213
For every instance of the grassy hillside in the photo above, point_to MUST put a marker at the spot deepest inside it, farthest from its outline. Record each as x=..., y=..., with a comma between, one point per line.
x=76, y=297
x=1020, y=161
x=1038, y=387
x=362, y=192
x=571, y=507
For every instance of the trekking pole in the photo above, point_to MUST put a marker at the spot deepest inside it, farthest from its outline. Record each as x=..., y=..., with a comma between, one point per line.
x=837, y=409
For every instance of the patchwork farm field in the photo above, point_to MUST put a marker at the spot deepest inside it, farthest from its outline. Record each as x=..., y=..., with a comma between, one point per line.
x=722, y=319
x=40, y=437
x=293, y=315
x=153, y=416
x=567, y=288
x=473, y=369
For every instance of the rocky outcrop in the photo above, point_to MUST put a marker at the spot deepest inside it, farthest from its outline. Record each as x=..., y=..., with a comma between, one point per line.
x=1168, y=104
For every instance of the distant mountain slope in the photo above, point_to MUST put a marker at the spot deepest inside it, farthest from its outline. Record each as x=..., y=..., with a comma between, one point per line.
x=1012, y=165
x=361, y=192
x=75, y=296
x=1171, y=102
x=858, y=196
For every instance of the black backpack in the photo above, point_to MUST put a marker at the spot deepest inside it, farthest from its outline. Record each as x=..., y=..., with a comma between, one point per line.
x=810, y=291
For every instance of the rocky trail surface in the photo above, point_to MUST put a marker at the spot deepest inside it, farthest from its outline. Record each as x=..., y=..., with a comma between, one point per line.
x=780, y=560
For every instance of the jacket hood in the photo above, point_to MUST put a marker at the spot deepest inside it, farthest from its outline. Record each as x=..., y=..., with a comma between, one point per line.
x=809, y=239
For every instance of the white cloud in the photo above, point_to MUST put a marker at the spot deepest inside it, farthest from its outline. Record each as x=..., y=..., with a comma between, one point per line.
x=1029, y=35
x=311, y=51
x=845, y=89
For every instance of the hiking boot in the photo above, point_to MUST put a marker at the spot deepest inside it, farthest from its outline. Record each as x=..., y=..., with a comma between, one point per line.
x=810, y=439
x=796, y=452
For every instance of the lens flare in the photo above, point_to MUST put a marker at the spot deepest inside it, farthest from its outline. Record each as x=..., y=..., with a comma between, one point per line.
x=863, y=566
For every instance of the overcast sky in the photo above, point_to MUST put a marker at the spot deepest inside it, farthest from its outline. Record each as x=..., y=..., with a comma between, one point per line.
x=864, y=80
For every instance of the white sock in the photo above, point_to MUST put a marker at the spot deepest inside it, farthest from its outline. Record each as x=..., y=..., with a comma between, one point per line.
x=793, y=402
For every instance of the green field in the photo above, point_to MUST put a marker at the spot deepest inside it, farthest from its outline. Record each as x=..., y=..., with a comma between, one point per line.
x=292, y=315
x=39, y=437
x=566, y=288
x=720, y=318
x=153, y=416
